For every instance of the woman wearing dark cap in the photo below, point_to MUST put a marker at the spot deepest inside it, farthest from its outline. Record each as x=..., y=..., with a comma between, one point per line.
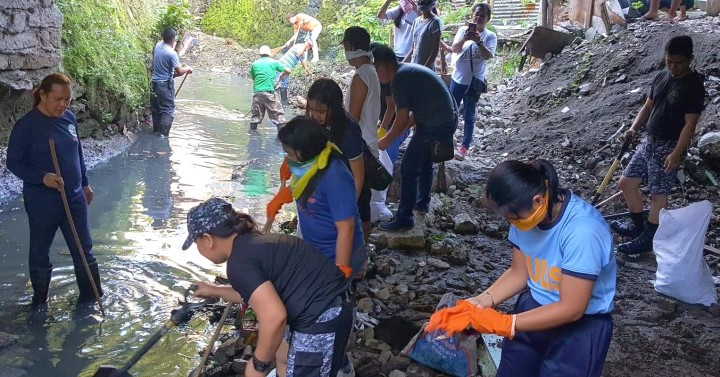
x=285, y=280
x=29, y=158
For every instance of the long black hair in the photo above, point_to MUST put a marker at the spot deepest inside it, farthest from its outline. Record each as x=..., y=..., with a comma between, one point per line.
x=239, y=223
x=512, y=184
x=398, y=19
x=328, y=92
x=304, y=135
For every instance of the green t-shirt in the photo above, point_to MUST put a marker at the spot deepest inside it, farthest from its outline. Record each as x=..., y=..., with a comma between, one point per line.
x=263, y=72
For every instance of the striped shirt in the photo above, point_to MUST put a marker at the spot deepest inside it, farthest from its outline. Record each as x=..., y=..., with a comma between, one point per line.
x=290, y=59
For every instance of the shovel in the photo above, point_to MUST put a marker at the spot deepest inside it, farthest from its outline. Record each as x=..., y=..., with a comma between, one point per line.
x=178, y=316
x=609, y=175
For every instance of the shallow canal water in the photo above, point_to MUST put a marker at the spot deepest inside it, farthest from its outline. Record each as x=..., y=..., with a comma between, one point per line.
x=138, y=225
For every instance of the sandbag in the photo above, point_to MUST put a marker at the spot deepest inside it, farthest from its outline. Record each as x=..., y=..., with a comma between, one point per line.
x=456, y=355
x=682, y=272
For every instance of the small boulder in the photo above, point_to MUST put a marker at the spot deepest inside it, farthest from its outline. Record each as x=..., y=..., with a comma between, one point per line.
x=464, y=224
x=413, y=239
x=365, y=305
x=7, y=339
x=397, y=373
x=709, y=145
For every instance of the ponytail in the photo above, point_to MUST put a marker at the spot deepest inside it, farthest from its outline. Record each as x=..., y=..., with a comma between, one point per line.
x=46, y=85
x=398, y=20
x=239, y=224
x=512, y=184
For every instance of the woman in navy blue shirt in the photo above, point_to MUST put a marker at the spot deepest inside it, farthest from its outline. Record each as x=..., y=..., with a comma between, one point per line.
x=29, y=158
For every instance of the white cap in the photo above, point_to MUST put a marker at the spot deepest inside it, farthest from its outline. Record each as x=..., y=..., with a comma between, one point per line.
x=265, y=50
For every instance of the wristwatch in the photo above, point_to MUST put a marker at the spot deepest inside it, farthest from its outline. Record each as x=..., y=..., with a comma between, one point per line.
x=261, y=366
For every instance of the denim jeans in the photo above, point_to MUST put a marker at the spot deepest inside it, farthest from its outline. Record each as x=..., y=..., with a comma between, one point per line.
x=393, y=149
x=469, y=109
x=416, y=171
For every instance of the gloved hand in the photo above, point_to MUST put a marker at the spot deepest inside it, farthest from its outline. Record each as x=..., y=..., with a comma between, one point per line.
x=464, y=315
x=346, y=270
x=273, y=207
x=285, y=172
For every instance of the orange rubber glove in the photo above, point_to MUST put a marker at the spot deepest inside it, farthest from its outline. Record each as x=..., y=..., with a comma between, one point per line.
x=465, y=314
x=346, y=270
x=273, y=207
x=285, y=173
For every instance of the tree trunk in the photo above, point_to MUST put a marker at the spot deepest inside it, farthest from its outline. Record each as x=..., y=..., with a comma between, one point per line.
x=713, y=7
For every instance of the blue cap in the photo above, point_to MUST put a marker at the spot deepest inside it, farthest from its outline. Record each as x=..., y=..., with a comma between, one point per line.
x=206, y=216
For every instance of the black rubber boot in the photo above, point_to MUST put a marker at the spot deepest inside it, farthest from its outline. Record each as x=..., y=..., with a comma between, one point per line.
x=85, y=285
x=632, y=228
x=40, y=280
x=284, y=96
x=642, y=244
x=253, y=126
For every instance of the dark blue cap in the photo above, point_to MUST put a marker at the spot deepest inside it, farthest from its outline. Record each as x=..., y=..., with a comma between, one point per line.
x=206, y=216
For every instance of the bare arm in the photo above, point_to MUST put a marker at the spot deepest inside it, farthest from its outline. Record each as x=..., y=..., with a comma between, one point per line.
x=305, y=66
x=381, y=13
x=357, y=168
x=398, y=127
x=643, y=116
x=688, y=132
x=575, y=296
x=272, y=317
x=512, y=281
x=226, y=292
x=389, y=113
x=358, y=93
x=179, y=71
x=344, y=243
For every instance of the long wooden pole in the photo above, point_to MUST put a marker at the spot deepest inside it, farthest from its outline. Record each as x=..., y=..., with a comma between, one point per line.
x=206, y=354
x=73, y=229
x=181, y=84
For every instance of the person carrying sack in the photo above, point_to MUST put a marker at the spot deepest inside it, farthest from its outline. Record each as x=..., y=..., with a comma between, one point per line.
x=473, y=46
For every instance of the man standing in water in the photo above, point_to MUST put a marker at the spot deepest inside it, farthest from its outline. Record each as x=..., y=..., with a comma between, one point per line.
x=166, y=66
x=263, y=72
x=671, y=113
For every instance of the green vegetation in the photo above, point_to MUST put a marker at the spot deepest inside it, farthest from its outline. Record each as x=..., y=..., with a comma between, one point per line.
x=177, y=16
x=105, y=47
x=504, y=65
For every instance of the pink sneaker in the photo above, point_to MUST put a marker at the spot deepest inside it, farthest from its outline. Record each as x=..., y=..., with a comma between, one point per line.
x=461, y=153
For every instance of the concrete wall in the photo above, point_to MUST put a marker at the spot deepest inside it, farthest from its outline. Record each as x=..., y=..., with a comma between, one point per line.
x=30, y=34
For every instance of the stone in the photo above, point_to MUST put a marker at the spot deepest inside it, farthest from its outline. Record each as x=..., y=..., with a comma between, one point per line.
x=590, y=33
x=379, y=240
x=586, y=89
x=46, y=18
x=367, y=334
x=11, y=43
x=20, y=4
x=621, y=79
x=464, y=224
x=397, y=373
x=437, y=263
x=396, y=363
x=709, y=145
x=13, y=23
x=402, y=289
x=384, y=294
x=367, y=367
x=413, y=239
x=226, y=351
x=417, y=370
x=40, y=60
x=377, y=345
x=385, y=356
x=238, y=366
x=7, y=339
x=458, y=257
x=365, y=305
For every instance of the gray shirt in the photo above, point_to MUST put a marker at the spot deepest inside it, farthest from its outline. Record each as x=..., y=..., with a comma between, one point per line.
x=165, y=60
x=426, y=40
x=421, y=91
x=402, y=43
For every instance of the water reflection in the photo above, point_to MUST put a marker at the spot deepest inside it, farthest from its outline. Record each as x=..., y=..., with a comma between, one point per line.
x=138, y=224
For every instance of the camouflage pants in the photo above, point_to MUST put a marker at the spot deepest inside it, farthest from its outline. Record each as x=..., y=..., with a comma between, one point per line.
x=319, y=350
x=267, y=101
x=647, y=164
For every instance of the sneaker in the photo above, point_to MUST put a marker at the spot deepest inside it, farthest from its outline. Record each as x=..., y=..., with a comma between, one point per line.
x=642, y=244
x=347, y=371
x=396, y=225
x=461, y=153
x=627, y=229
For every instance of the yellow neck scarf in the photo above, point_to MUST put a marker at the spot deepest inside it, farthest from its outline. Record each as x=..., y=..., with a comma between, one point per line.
x=298, y=185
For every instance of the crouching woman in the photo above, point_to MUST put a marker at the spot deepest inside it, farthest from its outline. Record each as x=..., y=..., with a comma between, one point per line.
x=564, y=268
x=286, y=282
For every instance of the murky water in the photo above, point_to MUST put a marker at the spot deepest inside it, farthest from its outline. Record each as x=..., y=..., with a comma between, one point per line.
x=138, y=225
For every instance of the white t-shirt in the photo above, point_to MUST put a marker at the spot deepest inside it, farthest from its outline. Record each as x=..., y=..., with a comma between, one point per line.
x=370, y=113
x=470, y=53
x=402, y=42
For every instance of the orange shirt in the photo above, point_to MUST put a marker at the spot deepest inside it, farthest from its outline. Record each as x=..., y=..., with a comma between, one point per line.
x=305, y=22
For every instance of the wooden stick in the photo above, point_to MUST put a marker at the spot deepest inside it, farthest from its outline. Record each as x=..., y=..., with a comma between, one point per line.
x=711, y=250
x=181, y=84
x=608, y=200
x=73, y=229
x=206, y=354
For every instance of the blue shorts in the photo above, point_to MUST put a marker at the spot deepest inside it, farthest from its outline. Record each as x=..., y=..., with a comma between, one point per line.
x=577, y=349
x=647, y=164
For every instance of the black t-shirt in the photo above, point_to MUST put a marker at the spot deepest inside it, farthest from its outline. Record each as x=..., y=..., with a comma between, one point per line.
x=673, y=98
x=351, y=144
x=305, y=279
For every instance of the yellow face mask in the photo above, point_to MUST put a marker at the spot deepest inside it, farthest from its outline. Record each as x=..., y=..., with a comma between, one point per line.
x=536, y=218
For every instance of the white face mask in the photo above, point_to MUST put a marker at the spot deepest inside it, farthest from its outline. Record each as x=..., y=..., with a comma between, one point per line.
x=350, y=55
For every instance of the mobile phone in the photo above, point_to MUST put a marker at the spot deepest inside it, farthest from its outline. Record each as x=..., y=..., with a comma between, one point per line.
x=472, y=27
